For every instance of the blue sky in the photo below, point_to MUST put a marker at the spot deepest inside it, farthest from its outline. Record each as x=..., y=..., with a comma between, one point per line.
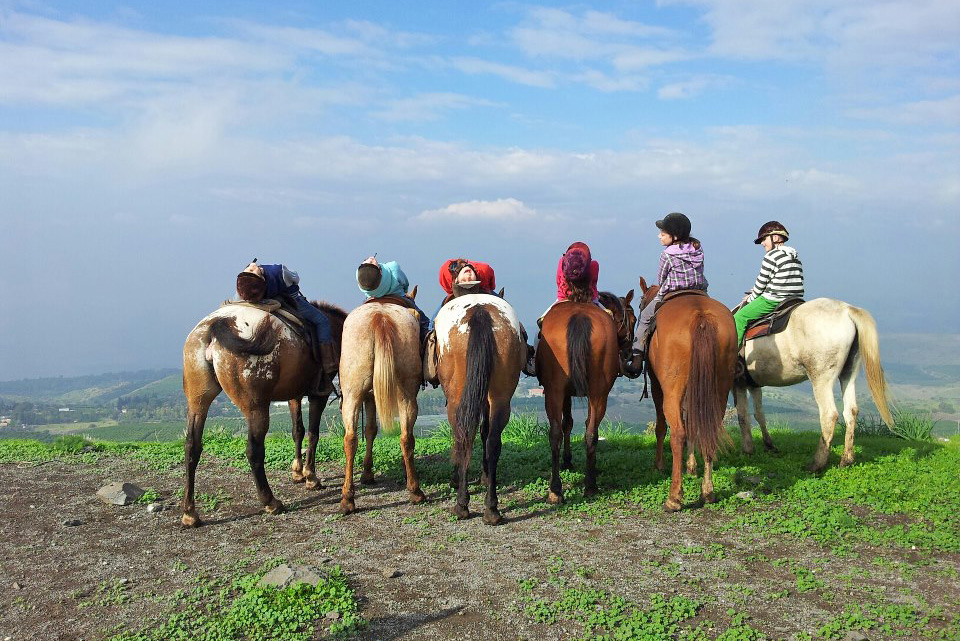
x=149, y=150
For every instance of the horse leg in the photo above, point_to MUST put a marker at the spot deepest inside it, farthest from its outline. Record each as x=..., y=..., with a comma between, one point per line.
x=596, y=409
x=661, y=428
x=691, y=462
x=850, y=412
x=823, y=392
x=706, y=486
x=351, y=407
x=407, y=444
x=498, y=416
x=678, y=437
x=756, y=393
x=484, y=433
x=743, y=418
x=554, y=401
x=297, y=431
x=310, y=468
x=462, y=452
x=369, y=435
x=199, y=398
x=567, y=422
x=258, y=422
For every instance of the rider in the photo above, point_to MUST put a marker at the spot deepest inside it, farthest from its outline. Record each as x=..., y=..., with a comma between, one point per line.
x=681, y=267
x=576, y=267
x=377, y=280
x=257, y=282
x=780, y=278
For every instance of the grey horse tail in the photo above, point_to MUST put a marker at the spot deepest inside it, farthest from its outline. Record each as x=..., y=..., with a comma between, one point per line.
x=263, y=341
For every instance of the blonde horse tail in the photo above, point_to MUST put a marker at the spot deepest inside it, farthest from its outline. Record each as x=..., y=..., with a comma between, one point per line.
x=870, y=351
x=703, y=404
x=385, y=389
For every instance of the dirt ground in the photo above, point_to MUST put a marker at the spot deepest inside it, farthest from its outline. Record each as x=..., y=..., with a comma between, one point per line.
x=457, y=580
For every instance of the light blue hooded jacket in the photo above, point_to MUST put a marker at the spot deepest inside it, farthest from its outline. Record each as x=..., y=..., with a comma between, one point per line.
x=393, y=282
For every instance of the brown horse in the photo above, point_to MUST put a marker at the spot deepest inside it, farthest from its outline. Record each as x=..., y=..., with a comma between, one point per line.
x=692, y=357
x=380, y=371
x=578, y=355
x=481, y=354
x=255, y=358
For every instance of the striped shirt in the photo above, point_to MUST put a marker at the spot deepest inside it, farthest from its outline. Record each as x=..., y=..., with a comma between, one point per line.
x=781, y=275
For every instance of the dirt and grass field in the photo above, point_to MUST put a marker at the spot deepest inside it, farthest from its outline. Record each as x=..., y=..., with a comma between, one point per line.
x=871, y=551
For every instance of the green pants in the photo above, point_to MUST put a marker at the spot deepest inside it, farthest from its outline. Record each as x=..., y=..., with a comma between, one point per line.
x=753, y=310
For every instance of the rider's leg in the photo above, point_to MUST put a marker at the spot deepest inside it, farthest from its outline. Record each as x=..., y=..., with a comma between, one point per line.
x=753, y=310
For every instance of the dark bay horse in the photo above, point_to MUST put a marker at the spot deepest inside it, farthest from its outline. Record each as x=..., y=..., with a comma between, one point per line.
x=255, y=358
x=579, y=356
x=692, y=357
x=481, y=354
x=381, y=372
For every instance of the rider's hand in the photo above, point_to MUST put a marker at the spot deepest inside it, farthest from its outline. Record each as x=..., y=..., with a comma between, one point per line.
x=370, y=261
x=254, y=268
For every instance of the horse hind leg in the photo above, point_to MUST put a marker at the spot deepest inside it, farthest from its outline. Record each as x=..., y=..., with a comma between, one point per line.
x=351, y=408
x=369, y=436
x=258, y=422
x=297, y=432
x=678, y=439
x=200, y=389
x=823, y=392
x=851, y=410
x=408, y=408
x=756, y=393
x=567, y=425
x=312, y=482
x=595, y=413
x=554, y=407
x=743, y=418
x=497, y=420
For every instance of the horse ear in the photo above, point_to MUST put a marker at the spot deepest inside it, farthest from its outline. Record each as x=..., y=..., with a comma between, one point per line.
x=412, y=295
x=500, y=294
x=629, y=297
x=643, y=285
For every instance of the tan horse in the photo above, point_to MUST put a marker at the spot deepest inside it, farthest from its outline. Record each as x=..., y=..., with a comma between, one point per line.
x=255, y=358
x=825, y=341
x=578, y=355
x=380, y=371
x=481, y=354
x=692, y=356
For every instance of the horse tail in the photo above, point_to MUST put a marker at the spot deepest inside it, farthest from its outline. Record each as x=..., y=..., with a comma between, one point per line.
x=263, y=341
x=481, y=349
x=703, y=403
x=869, y=348
x=579, y=334
x=385, y=389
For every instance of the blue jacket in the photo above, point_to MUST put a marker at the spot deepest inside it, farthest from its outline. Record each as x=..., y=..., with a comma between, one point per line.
x=280, y=280
x=393, y=282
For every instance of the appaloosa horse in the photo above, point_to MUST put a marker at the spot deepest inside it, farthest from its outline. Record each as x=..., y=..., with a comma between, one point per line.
x=255, y=358
x=824, y=340
x=579, y=355
x=481, y=353
x=692, y=358
x=381, y=371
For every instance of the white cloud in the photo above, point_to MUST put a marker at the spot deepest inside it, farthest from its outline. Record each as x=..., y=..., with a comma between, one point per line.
x=945, y=112
x=475, y=210
x=507, y=72
x=428, y=106
x=691, y=88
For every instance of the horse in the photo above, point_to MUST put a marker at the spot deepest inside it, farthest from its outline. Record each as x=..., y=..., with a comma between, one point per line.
x=824, y=340
x=579, y=355
x=380, y=372
x=481, y=353
x=255, y=358
x=692, y=359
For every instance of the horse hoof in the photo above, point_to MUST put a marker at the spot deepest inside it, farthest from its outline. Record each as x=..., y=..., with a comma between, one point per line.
x=492, y=517
x=554, y=498
x=670, y=505
x=367, y=479
x=460, y=512
x=313, y=484
x=298, y=478
x=191, y=520
x=417, y=496
x=347, y=506
x=273, y=507
x=770, y=447
x=846, y=462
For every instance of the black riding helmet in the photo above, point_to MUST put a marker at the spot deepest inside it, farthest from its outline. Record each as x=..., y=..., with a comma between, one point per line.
x=675, y=224
x=369, y=276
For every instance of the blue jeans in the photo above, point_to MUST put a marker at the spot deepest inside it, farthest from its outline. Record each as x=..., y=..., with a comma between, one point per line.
x=319, y=320
x=643, y=322
x=426, y=323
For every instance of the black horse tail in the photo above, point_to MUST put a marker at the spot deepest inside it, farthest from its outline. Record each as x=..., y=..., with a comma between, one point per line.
x=704, y=401
x=579, y=345
x=481, y=349
x=262, y=342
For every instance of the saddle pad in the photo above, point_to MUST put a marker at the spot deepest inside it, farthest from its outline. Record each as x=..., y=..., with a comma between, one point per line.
x=774, y=322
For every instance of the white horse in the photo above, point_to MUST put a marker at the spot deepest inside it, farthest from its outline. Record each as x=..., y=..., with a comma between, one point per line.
x=825, y=340
x=380, y=371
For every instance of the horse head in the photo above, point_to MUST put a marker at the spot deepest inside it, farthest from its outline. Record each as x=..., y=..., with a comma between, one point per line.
x=647, y=293
x=623, y=317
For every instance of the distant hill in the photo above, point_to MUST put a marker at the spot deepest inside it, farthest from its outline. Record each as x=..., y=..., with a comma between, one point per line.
x=98, y=389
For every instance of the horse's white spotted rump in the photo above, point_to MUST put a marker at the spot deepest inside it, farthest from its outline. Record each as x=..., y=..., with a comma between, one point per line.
x=453, y=314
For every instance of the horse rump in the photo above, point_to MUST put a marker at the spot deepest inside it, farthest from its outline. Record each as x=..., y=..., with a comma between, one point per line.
x=481, y=349
x=579, y=336
x=261, y=343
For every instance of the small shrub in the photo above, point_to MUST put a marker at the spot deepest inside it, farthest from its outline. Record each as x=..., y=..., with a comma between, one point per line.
x=72, y=444
x=912, y=427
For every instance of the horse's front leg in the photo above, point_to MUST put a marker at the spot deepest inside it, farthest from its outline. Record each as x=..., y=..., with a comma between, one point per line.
x=567, y=422
x=499, y=415
x=369, y=436
x=756, y=394
x=310, y=468
x=743, y=418
x=661, y=426
x=258, y=421
x=297, y=431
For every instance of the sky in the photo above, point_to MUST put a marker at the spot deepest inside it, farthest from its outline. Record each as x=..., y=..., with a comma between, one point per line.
x=148, y=151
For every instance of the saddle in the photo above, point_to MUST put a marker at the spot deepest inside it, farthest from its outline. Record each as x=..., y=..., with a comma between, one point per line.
x=401, y=301
x=774, y=322
x=284, y=309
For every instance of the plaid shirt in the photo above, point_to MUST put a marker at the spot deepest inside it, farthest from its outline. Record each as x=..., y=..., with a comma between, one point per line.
x=681, y=267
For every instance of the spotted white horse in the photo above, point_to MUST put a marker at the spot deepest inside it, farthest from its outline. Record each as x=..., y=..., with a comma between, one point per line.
x=826, y=340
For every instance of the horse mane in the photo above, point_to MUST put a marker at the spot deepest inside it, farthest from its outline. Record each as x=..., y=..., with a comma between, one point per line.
x=330, y=308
